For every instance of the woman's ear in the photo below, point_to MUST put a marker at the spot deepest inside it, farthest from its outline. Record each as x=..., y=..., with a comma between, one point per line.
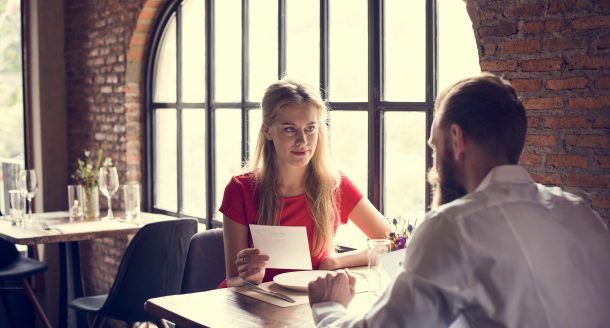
x=267, y=132
x=457, y=141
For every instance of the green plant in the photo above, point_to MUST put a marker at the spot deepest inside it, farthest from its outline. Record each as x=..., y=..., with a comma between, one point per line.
x=87, y=168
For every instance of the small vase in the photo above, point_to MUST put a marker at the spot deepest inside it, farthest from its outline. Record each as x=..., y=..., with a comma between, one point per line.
x=92, y=203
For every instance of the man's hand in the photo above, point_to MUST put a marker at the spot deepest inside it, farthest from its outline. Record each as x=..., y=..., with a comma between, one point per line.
x=334, y=287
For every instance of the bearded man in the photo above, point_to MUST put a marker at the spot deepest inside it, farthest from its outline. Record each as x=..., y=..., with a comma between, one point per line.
x=497, y=249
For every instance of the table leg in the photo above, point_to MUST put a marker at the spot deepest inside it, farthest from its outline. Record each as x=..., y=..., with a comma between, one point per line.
x=77, y=282
x=63, y=287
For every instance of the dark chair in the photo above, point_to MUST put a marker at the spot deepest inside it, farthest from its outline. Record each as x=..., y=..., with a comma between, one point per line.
x=205, y=262
x=152, y=266
x=14, y=266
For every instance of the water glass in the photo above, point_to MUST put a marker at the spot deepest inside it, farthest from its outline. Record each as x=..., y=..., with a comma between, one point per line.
x=17, y=206
x=76, y=201
x=375, y=276
x=131, y=194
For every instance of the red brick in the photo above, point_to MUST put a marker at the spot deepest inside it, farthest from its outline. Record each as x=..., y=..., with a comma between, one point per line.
x=541, y=140
x=543, y=103
x=582, y=180
x=578, y=82
x=499, y=65
x=589, y=102
x=589, y=62
x=485, y=15
x=533, y=122
x=138, y=39
x=135, y=54
x=528, y=9
x=603, y=161
x=563, y=122
x=526, y=85
x=547, y=178
x=520, y=46
x=588, y=141
x=554, y=25
x=147, y=13
x=597, y=22
x=604, y=4
x=530, y=159
x=562, y=160
x=532, y=27
x=600, y=201
x=498, y=30
x=541, y=65
x=489, y=49
x=602, y=121
x=602, y=42
x=555, y=44
x=568, y=6
x=603, y=82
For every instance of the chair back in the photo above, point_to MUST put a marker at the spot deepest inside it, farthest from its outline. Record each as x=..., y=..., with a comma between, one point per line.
x=152, y=266
x=205, y=262
x=8, y=253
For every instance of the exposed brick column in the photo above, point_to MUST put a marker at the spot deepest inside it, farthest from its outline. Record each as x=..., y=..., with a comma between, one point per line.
x=557, y=55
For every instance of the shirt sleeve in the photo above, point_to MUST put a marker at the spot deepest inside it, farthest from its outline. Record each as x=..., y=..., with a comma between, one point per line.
x=233, y=201
x=348, y=197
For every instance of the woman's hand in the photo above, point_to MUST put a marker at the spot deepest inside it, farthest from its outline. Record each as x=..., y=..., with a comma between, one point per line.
x=251, y=265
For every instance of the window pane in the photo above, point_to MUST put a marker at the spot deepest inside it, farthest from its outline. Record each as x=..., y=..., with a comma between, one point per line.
x=405, y=50
x=263, y=47
x=165, y=67
x=228, y=151
x=303, y=41
x=193, y=162
x=458, y=54
x=254, y=126
x=227, y=51
x=193, y=51
x=349, y=147
x=165, y=160
x=348, y=56
x=405, y=164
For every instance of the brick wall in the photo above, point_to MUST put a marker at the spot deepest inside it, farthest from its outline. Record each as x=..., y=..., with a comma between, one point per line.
x=557, y=55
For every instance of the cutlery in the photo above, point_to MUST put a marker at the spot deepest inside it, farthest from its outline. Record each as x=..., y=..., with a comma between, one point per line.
x=257, y=289
x=46, y=227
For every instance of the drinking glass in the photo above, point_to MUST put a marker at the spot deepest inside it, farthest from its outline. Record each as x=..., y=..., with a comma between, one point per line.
x=28, y=183
x=108, y=179
x=376, y=247
x=76, y=199
x=131, y=194
x=17, y=206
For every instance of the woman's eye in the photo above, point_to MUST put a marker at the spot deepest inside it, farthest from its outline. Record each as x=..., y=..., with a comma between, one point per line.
x=289, y=130
x=310, y=129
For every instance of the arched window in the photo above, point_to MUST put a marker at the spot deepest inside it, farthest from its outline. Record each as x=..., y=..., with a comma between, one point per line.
x=378, y=64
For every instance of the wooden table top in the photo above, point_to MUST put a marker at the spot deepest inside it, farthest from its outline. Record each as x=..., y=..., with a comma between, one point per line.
x=227, y=308
x=64, y=230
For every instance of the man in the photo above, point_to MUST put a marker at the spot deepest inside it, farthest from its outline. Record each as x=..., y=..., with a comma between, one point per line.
x=498, y=249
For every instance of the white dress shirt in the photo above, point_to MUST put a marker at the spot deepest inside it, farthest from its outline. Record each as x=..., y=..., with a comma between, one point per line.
x=512, y=253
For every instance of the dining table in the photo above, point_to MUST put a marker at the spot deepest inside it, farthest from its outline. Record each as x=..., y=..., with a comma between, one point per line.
x=241, y=307
x=57, y=227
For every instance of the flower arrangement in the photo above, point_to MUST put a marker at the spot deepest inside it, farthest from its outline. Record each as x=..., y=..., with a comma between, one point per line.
x=87, y=169
x=400, y=231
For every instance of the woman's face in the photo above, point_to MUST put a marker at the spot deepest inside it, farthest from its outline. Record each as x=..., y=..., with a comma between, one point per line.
x=294, y=134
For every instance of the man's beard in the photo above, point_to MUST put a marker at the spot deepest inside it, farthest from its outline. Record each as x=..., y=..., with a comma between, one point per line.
x=446, y=186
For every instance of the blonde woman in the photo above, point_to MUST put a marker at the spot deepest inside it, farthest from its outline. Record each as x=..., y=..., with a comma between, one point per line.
x=292, y=183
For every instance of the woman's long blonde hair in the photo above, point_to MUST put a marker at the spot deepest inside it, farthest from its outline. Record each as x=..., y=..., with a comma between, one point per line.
x=321, y=179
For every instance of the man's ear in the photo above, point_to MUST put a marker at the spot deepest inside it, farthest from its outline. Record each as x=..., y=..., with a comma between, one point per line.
x=267, y=132
x=457, y=141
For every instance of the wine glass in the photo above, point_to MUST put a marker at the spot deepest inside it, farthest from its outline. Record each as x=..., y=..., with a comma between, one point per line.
x=28, y=184
x=109, y=184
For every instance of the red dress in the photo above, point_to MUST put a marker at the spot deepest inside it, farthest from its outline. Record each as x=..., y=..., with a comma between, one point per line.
x=240, y=204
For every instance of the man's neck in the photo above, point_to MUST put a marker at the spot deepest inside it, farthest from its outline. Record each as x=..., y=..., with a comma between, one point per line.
x=477, y=169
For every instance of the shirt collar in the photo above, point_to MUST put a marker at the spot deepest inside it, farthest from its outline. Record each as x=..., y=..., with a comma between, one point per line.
x=505, y=174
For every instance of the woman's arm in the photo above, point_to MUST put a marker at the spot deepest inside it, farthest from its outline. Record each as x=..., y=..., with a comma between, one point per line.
x=241, y=263
x=366, y=217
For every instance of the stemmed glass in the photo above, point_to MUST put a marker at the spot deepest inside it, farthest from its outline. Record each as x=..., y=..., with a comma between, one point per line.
x=28, y=184
x=109, y=184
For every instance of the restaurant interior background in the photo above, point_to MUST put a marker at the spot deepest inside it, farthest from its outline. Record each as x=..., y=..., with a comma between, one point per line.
x=164, y=90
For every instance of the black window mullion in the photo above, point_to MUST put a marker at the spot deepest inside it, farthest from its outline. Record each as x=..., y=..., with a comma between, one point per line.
x=324, y=49
x=375, y=143
x=281, y=38
x=210, y=123
x=179, y=173
x=431, y=78
x=245, y=56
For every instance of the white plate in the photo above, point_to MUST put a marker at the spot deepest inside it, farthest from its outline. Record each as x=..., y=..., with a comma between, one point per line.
x=298, y=280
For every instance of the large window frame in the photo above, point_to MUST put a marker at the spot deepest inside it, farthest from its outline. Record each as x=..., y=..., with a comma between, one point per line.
x=375, y=107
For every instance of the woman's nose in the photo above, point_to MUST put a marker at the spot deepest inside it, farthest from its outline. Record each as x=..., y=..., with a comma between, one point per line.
x=300, y=138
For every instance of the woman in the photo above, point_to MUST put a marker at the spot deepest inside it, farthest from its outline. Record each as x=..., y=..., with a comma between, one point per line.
x=292, y=183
